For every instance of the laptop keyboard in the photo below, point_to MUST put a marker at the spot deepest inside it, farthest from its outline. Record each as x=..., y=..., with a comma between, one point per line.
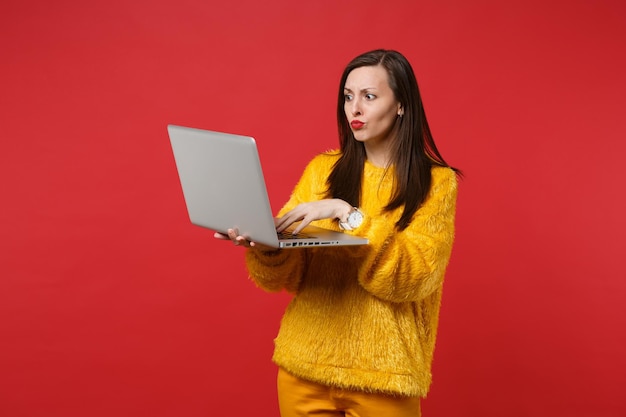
x=286, y=234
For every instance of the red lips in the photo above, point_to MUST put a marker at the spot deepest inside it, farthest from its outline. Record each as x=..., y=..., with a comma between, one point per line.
x=357, y=124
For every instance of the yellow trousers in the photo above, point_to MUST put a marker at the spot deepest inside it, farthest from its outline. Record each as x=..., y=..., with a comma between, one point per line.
x=297, y=398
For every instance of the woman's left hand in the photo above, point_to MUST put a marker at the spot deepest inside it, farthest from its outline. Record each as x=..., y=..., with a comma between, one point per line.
x=316, y=210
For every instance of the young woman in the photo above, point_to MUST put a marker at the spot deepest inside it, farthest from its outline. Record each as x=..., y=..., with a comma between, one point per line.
x=358, y=336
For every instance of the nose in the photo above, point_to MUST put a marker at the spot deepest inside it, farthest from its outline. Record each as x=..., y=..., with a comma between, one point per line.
x=354, y=107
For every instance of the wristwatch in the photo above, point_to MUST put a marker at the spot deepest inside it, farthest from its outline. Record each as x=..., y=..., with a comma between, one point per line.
x=355, y=218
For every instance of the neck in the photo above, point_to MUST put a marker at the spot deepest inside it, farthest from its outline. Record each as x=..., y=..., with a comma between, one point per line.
x=378, y=154
x=378, y=151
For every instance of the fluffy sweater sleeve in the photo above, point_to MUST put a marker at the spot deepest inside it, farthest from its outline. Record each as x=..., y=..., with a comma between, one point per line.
x=410, y=265
x=283, y=269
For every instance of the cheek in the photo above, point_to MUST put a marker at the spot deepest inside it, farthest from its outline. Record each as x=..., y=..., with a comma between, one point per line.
x=387, y=118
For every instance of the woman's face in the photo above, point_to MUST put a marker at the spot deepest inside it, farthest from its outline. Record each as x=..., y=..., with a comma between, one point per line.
x=370, y=105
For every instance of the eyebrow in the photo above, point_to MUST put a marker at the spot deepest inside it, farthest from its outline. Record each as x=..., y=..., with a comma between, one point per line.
x=362, y=90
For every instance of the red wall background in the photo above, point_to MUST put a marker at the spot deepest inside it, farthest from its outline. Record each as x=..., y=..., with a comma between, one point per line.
x=111, y=303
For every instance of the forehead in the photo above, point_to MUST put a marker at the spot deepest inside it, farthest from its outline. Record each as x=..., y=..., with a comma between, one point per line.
x=367, y=77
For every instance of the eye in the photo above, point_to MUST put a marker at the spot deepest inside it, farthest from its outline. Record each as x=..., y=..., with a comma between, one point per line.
x=347, y=97
x=370, y=96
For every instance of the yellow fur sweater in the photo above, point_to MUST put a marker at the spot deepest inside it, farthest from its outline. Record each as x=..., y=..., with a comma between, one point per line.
x=364, y=317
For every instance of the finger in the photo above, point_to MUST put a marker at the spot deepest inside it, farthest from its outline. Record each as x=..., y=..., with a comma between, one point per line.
x=290, y=218
x=232, y=234
x=304, y=223
x=283, y=223
x=261, y=246
x=240, y=241
x=236, y=238
x=221, y=236
x=282, y=226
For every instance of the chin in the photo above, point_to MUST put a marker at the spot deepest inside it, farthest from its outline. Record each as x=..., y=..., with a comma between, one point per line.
x=360, y=138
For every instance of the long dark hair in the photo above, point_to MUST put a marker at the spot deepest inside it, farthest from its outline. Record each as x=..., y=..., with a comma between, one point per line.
x=414, y=152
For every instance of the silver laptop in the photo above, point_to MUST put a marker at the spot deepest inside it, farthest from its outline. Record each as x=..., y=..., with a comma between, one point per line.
x=223, y=187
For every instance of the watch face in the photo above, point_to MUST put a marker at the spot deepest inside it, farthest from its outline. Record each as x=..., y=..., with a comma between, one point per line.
x=355, y=219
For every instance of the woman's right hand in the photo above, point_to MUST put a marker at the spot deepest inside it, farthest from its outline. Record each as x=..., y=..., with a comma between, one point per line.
x=238, y=240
